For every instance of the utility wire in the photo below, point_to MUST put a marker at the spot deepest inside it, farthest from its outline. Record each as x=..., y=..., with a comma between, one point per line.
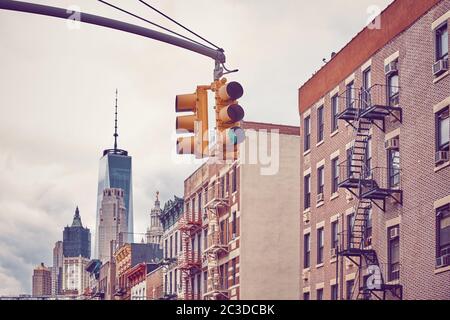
x=177, y=23
x=152, y=23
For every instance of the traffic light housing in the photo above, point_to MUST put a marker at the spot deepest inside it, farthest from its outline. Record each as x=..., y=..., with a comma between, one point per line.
x=195, y=123
x=229, y=115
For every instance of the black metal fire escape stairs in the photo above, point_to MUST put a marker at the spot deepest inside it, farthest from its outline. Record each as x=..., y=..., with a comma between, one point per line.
x=360, y=181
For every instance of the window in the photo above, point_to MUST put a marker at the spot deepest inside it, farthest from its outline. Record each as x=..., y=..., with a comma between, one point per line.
x=320, y=238
x=199, y=246
x=199, y=285
x=165, y=284
x=334, y=292
x=334, y=234
x=306, y=296
x=393, y=253
x=227, y=182
x=368, y=158
x=234, y=180
x=200, y=203
x=306, y=251
x=334, y=113
x=222, y=187
x=176, y=244
x=319, y=294
x=443, y=231
x=205, y=238
x=307, y=133
x=320, y=124
x=349, y=162
x=170, y=283
x=367, y=225
x=175, y=277
x=350, y=222
x=320, y=180
x=442, y=42
x=222, y=232
x=334, y=175
x=349, y=293
x=233, y=263
x=350, y=96
x=205, y=281
x=166, y=249
x=181, y=245
x=365, y=94
x=442, y=130
x=225, y=275
x=393, y=90
x=394, y=168
x=234, y=225
x=307, y=188
x=171, y=247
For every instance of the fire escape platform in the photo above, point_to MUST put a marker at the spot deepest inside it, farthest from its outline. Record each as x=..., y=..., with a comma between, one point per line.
x=379, y=112
x=349, y=114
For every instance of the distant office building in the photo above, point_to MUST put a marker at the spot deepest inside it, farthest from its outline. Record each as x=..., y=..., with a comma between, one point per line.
x=75, y=276
x=42, y=281
x=113, y=222
x=115, y=172
x=76, y=239
x=155, y=231
x=57, y=268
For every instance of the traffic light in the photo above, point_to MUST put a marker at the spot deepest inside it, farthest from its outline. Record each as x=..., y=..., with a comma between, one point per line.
x=228, y=116
x=195, y=123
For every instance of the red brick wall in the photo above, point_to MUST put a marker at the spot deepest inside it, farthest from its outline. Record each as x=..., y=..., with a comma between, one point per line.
x=421, y=185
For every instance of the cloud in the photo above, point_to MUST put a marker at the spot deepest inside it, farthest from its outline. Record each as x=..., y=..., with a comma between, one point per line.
x=57, y=93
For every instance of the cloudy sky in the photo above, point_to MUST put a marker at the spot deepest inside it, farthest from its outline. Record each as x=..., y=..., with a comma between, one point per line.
x=57, y=91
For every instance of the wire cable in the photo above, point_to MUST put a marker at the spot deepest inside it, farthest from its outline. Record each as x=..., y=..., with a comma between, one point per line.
x=179, y=24
x=152, y=23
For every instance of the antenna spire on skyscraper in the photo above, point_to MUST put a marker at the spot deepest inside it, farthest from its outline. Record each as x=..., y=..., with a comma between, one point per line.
x=115, y=124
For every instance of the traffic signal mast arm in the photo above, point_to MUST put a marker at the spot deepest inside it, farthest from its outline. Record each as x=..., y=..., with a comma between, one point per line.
x=215, y=54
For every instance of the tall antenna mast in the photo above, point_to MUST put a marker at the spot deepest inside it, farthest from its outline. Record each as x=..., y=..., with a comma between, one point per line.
x=115, y=125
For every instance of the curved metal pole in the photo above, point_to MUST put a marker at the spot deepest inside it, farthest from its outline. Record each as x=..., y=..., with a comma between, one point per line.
x=216, y=55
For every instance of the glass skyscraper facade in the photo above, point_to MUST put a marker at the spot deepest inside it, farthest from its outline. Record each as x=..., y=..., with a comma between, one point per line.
x=115, y=172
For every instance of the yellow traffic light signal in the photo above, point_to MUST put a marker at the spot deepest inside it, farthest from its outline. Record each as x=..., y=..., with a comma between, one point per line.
x=195, y=123
x=229, y=114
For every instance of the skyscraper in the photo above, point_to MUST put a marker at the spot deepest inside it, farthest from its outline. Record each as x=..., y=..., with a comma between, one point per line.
x=57, y=268
x=113, y=222
x=155, y=231
x=115, y=172
x=42, y=281
x=77, y=239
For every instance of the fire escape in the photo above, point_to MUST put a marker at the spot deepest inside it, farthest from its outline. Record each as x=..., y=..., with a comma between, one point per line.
x=366, y=108
x=217, y=245
x=189, y=262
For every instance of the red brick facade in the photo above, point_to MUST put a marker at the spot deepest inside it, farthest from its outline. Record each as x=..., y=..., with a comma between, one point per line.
x=423, y=185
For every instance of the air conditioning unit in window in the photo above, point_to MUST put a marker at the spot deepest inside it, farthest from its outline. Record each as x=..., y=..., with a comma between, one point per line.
x=333, y=252
x=394, y=233
x=391, y=67
x=440, y=67
x=320, y=197
x=305, y=275
x=443, y=261
x=391, y=144
x=441, y=157
x=306, y=217
x=368, y=242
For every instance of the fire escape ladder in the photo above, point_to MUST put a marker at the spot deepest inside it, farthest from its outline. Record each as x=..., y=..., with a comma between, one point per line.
x=361, y=182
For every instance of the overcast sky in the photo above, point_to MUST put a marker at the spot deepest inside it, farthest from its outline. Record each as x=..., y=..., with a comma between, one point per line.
x=57, y=92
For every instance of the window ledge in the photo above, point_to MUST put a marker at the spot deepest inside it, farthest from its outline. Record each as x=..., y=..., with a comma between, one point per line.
x=306, y=269
x=320, y=265
x=318, y=144
x=441, y=270
x=442, y=76
x=333, y=260
x=307, y=210
x=306, y=152
x=442, y=166
x=334, y=133
x=319, y=204
x=334, y=196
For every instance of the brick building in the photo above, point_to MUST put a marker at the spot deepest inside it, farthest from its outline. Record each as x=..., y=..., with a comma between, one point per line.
x=233, y=229
x=154, y=284
x=375, y=190
x=170, y=217
x=42, y=281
